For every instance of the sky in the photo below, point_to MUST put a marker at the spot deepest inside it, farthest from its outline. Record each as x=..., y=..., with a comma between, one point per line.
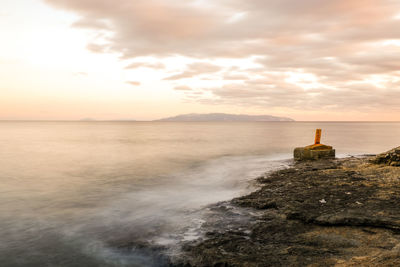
x=310, y=60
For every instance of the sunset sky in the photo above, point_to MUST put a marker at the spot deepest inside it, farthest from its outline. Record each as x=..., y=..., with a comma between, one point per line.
x=131, y=59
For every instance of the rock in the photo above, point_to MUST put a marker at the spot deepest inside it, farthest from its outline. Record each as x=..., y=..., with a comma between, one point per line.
x=292, y=226
x=391, y=158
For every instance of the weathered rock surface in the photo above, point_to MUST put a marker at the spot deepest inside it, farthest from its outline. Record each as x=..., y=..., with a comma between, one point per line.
x=391, y=157
x=320, y=213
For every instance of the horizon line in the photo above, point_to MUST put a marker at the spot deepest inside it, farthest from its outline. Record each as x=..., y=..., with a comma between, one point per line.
x=160, y=120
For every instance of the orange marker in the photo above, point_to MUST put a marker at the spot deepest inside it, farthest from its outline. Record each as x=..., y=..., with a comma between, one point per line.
x=318, y=136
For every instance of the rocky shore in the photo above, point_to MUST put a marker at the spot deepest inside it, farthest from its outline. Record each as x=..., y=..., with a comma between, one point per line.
x=339, y=212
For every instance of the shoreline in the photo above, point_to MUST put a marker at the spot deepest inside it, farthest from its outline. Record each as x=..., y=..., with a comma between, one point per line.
x=340, y=212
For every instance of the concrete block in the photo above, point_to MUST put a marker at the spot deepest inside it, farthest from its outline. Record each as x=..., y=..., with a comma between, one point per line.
x=315, y=151
x=310, y=153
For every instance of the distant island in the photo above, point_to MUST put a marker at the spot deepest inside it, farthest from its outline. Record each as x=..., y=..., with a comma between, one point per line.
x=87, y=119
x=224, y=117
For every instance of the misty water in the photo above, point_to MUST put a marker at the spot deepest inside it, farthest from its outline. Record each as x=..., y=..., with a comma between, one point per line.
x=72, y=192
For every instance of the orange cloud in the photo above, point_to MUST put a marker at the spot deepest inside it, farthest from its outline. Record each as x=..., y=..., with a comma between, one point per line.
x=134, y=83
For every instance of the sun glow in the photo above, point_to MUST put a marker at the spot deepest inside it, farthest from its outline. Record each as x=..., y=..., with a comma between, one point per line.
x=305, y=80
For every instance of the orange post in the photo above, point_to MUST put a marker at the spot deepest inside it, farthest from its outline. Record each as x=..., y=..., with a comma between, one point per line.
x=318, y=136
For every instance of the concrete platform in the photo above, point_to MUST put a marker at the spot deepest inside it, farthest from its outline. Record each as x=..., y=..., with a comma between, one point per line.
x=314, y=152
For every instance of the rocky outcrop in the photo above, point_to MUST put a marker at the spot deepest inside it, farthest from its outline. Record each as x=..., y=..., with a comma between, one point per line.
x=318, y=213
x=391, y=157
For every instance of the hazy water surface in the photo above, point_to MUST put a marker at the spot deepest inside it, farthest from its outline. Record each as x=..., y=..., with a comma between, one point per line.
x=69, y=190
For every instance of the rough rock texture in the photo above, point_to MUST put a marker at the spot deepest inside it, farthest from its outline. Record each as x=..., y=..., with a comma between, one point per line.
x=391, y=157
x=320, y=213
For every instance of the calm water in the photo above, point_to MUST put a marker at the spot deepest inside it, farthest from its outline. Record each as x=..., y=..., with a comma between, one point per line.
x=70, y=190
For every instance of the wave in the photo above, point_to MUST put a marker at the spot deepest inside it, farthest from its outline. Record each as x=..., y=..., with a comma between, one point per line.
x=141, y=226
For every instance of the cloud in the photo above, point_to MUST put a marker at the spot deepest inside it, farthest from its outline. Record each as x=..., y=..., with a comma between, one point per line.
x=343, y=44
x=282, y=94
x=80, y=73
x=173, y=27
x=235, y=77
x=182, y=88
x=195, y=69
x=134, y=83
x=91, y=24
x=96, y=48
x=136, y=65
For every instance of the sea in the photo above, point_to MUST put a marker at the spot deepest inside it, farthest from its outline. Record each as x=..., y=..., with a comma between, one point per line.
x=110, y=193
